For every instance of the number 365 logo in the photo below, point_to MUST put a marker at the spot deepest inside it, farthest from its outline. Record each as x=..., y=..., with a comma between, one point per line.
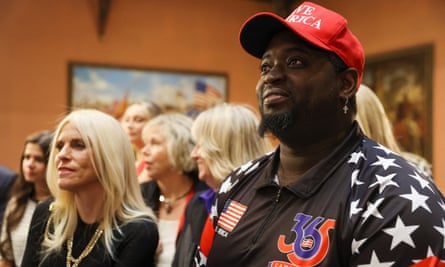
x=311, y=242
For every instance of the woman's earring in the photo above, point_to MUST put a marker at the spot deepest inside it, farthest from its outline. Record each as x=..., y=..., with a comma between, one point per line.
x=345, y=107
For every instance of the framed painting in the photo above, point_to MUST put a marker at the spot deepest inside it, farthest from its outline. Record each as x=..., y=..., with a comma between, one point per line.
x=403, y=82
x=112, y=88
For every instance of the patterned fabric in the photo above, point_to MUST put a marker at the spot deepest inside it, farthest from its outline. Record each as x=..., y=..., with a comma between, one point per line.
x=231, y=215
x=420, y=163
x=364, y=205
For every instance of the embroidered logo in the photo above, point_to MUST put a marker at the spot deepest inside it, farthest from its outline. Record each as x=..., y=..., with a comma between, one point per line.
x=304, y=14
x=311, y=243
x=230, y=216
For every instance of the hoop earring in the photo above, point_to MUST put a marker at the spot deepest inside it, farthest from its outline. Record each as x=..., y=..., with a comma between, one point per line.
x=345, y=107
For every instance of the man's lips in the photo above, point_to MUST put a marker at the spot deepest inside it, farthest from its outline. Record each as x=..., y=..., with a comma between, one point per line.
x=273, y=99
x=274, y=96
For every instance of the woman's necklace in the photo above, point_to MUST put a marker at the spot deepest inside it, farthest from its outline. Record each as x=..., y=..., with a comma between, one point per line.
x=69, y=243
x=169, y=202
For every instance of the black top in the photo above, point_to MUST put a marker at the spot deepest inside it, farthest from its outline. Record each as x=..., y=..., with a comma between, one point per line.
x=135, y=247
x=363, y=205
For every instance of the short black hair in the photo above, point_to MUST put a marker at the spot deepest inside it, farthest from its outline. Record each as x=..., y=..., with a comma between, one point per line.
x=337, y=62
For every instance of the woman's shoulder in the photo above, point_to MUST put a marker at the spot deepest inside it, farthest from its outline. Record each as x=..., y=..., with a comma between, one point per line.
x=149, y=188
x=200, y=187
x=140, y=225
x=150, y=194
x=140, y=230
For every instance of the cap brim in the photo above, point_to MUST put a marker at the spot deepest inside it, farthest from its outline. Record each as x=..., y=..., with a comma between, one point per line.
x=259, y=29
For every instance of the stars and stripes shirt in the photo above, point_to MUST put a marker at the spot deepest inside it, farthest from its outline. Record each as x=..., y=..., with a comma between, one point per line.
x=363, y=205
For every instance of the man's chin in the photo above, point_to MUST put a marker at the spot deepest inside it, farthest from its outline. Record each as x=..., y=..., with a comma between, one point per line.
x=276, y=124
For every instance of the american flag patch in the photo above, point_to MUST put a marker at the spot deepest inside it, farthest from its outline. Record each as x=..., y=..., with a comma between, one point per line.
x=230, y=216
x=307, y=243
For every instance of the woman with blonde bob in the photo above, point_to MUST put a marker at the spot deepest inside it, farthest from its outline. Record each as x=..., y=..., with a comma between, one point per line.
x=226, y=137
x=168, y=144
x=98, y=216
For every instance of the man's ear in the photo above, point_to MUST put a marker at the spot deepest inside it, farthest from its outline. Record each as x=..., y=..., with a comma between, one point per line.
x=349, y=83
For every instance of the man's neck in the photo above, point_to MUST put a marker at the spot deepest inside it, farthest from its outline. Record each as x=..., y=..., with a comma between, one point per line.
x=296, y=158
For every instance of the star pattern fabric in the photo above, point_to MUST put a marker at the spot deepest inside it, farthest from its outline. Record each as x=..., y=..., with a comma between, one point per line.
x=388, y=215
x=399, y=196
x=375, y=262
x=401, y=233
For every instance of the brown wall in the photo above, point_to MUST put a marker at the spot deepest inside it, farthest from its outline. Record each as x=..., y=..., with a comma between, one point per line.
x=38, y=38
x=384, y=27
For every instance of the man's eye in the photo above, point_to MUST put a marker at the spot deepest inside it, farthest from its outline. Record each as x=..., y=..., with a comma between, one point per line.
x=294, y=62
x=264, y=67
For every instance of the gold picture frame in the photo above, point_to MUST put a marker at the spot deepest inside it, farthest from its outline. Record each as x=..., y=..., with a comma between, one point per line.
x=111, y=88
x=403, y=82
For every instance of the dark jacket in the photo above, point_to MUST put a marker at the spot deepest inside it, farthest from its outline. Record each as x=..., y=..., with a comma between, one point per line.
x=188, y=240
x=7, y=178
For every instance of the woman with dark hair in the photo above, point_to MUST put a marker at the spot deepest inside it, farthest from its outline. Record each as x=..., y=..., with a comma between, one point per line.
x=29, y=188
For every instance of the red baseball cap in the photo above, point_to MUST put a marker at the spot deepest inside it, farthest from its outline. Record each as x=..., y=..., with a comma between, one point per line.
x=317, y=25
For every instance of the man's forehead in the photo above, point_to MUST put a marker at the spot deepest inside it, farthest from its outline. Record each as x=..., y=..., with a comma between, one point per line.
x=294, y=42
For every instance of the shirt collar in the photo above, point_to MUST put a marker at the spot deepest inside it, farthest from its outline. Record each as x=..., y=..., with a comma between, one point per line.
x=309, y=183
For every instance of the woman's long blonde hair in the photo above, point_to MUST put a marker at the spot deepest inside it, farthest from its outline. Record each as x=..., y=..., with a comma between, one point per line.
x=113, y=159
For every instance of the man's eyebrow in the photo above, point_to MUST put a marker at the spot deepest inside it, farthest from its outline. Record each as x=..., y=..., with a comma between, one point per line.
x=300, y=49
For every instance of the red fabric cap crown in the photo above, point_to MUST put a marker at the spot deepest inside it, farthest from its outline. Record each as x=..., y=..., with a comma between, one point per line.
x=317, y=25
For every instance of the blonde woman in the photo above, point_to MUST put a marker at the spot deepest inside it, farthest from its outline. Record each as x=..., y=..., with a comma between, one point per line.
x=135, y=117
x=168, y=144
x=98, y=217
x=226, y=137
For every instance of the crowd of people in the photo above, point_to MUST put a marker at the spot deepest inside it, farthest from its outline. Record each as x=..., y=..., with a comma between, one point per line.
x=157, y=188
